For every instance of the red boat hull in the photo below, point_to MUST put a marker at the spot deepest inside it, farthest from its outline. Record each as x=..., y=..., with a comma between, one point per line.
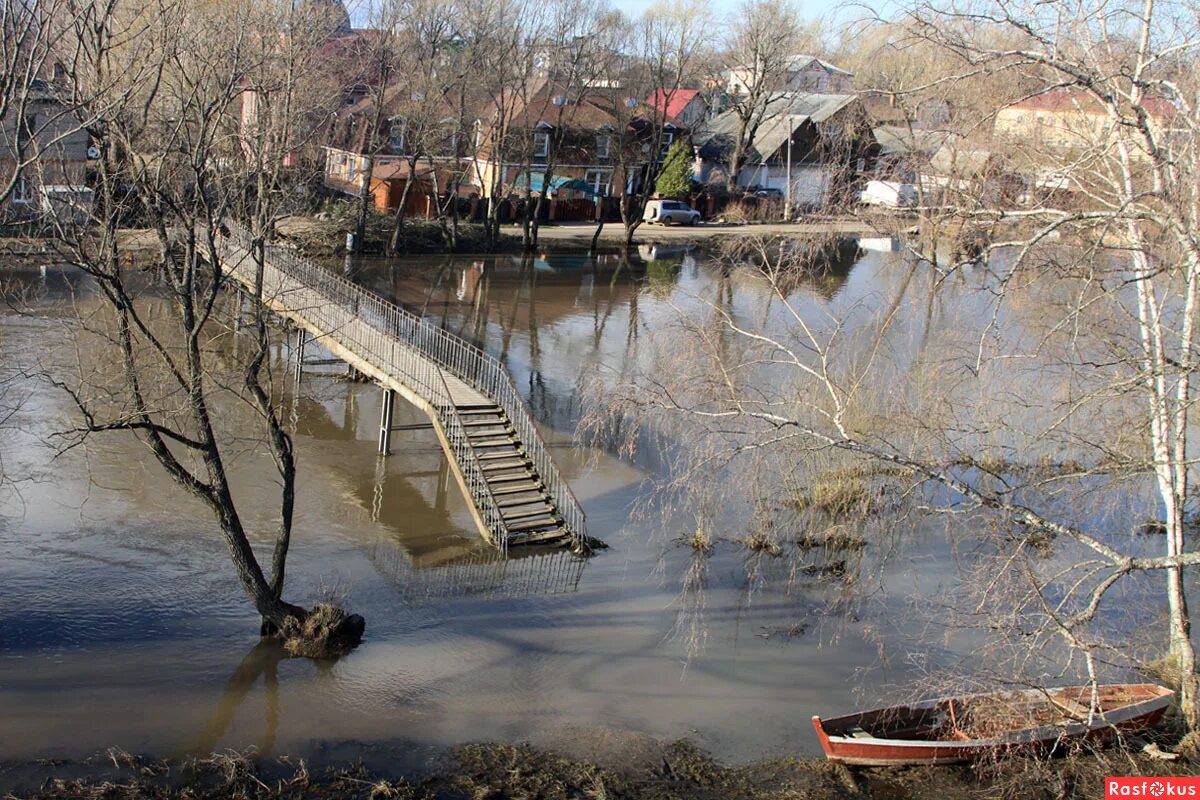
x=877, y=751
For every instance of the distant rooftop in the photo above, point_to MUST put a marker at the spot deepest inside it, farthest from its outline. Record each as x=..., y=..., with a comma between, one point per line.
x=675, y=102
x=1078, y=100
x=800, y=61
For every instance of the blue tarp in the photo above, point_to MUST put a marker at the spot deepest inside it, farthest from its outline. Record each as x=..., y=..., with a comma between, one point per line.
x=536, y=180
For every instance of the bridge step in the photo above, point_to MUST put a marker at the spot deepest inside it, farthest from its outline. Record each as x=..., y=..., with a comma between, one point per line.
x=531, y=486
x=507, y=456
x=487, y=423
x=493, y=445
x=490, y=438
x=516, y=515
x=497, y=480
x=537, y=537
x=520, y=467
x=545, y=513
x=548, y=522
x=539, y=499
x=479, y=408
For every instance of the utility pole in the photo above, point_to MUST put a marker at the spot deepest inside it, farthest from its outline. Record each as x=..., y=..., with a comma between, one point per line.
x=787, y=203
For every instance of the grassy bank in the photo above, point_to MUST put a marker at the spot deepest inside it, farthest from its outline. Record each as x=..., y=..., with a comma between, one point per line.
x=627, y=768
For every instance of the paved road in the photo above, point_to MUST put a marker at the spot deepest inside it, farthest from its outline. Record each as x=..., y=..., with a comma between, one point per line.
x=581, y=232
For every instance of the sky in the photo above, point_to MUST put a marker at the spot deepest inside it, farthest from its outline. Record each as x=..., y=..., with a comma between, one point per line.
x=837, y=10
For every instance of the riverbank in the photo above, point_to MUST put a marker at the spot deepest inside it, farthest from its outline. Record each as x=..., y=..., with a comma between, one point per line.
x=324, y=236
x=591, y=764
x=316, y=236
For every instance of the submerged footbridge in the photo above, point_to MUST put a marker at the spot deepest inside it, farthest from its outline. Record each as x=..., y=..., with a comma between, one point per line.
x=515, y=490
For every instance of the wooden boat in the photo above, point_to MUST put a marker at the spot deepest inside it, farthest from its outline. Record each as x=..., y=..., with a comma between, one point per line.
x=956, y=729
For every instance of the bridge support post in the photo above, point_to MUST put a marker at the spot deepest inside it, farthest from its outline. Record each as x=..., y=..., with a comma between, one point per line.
x=301, y=341
x=237, y=310
x=385, y=421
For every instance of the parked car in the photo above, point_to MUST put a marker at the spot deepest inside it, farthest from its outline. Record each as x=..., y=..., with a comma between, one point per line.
x=769, y=194
x=670, y=212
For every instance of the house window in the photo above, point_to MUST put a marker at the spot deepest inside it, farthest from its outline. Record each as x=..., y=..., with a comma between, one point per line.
x=25, y=129
x=603, y=145
x=22, y=191
x=598, y=180
x=667, y=138
x=541, y=144
x=396, y=139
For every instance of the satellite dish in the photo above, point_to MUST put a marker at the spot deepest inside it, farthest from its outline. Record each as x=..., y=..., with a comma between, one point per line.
x=93, y=152
x=630, y=102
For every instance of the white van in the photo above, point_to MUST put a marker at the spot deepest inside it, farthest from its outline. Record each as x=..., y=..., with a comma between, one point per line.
x=669, y=212
x=889, y=194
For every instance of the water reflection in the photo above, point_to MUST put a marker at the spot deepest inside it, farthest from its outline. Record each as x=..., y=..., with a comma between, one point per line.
x=479, y=575
x=124, y=623
x=261, y=661
x=553, y=316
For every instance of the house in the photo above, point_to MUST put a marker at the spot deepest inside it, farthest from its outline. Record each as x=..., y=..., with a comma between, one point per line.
x=48, y=129
x=688, y=106
x=802, y=73
x=903, y=154
x=350, y=61
x=890, y=109
x=576, y=145
x=1068, y=118
x=422, y=142
x=594, y=142
x=830, y=144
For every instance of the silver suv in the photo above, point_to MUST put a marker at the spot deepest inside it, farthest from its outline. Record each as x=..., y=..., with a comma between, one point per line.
x=670, y=212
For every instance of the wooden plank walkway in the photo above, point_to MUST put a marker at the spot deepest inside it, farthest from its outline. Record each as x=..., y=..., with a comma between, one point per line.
x=514, y=488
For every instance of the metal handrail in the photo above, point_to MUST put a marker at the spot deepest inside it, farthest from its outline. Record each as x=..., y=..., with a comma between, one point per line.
x=343, y=309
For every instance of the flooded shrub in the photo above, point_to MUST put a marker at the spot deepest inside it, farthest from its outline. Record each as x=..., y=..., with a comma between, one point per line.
x=327, y=632
x=837, y=498
x=833, y=539
x=761, y=542
x=701, y=540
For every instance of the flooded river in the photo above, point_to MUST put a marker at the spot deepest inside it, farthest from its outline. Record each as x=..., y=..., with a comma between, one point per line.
x=121, y=623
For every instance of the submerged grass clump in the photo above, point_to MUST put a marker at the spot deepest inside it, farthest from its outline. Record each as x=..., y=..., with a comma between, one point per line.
x=832, y=539
x=837, y=498
x=321, y=634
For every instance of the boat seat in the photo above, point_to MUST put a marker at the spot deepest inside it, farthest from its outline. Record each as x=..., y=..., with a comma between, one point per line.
x=859, y=733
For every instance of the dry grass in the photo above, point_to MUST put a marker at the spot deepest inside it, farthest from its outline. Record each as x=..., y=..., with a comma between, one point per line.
x=679, y=771
x=837, y=498
x=834, y=539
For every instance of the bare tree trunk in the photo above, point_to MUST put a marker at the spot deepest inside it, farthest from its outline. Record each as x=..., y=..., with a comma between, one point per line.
x=394, y=244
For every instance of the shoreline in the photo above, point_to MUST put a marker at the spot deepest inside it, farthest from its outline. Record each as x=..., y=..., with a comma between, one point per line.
x=595, y=763
x=568, y=235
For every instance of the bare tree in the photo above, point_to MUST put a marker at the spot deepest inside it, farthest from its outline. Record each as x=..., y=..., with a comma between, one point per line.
x=764, y=37
x=175, y=157
x=664, y=47
x=1095, y=257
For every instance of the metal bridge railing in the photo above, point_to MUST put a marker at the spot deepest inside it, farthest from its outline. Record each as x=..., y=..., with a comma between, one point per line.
x=416, y=352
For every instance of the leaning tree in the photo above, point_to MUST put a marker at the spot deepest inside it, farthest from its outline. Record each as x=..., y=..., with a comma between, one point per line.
x=161, y=89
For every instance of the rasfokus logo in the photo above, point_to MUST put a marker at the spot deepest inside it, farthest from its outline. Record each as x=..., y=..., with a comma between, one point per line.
x=1151, y=787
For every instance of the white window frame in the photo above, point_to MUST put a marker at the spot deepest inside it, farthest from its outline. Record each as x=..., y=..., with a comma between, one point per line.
x=603, y=144
x=22, y=191
x=395, y=125
x=665, y=145
x=541, y=143
x=600, y=180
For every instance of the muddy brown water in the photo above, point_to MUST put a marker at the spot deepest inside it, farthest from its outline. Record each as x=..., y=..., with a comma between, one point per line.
x=121, y=623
